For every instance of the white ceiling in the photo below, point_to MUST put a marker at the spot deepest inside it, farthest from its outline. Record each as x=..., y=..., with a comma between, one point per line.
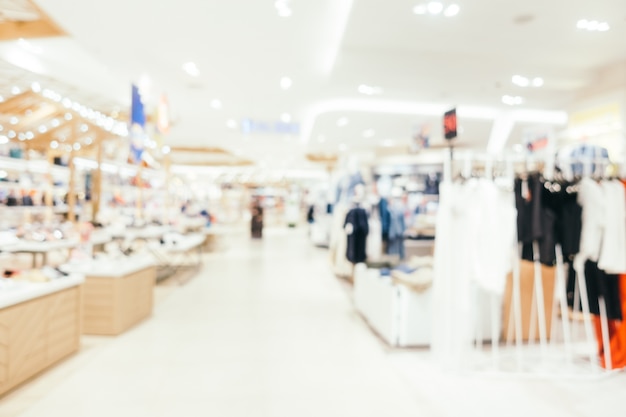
x=424, y=64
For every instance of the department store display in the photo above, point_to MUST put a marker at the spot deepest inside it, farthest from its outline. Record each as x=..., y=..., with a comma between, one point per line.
x=566, y=230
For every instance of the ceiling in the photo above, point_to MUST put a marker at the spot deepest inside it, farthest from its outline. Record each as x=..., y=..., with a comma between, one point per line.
x=422, y=64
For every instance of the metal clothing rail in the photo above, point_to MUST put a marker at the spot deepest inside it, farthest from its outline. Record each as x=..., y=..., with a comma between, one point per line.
x=538, y=313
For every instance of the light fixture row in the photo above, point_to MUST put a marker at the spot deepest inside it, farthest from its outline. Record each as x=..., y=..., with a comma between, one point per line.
x=436, y=8
x=522, y=81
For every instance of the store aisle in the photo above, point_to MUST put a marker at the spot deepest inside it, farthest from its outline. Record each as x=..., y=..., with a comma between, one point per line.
x=263, y=330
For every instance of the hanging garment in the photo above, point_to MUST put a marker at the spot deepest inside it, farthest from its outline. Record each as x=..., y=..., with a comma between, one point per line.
x=591, y=199
x=383, y=210
x=374, y=246
x=338, y=242
x=453, y=326
x=535, y=221
x=396, y=231
x=562, y=199
x=601, y=284
x=357, y=238
x=492, y=221
x=612, y=257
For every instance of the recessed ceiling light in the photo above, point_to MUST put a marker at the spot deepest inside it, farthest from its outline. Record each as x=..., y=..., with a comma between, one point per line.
x=452, y=10
x=369, y=90
x=512, y=100
x=36, y=87
x=55, y=122
x=165, y=150
x=593, y=25
x=420, y=9
x=54, y=144
x=285, y=83
x=435, y=7
x=369, y=133
x=216, y=104
x=42, y=129
x=77, y=146
x=282, y=7
x=191, y=68
x=520, y=81
x=231, y=123
x=14, y=120
x=29, y=135
x=15, y=90
x=285, y=118
x=3, y=141
x=11, y=134
x=342, y=121
x=537, y=82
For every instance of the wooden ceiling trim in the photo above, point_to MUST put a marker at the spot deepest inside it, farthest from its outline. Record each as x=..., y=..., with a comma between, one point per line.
x=44, y=27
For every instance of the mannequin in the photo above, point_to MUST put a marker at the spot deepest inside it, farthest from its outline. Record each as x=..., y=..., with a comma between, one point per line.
x=357, y=228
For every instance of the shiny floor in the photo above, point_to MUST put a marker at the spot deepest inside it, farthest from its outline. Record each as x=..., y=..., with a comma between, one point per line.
x=265, y=329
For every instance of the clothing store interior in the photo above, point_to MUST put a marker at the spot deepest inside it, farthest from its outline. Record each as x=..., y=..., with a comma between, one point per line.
x=312, y=208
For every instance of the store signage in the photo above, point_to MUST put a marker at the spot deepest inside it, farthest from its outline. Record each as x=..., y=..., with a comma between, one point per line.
x=249, y=126
x=449, y=124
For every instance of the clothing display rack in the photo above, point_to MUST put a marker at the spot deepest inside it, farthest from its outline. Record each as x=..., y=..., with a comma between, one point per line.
x=567, y=357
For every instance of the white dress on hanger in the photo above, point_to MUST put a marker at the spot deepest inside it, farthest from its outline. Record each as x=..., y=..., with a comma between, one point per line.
x=613, y=254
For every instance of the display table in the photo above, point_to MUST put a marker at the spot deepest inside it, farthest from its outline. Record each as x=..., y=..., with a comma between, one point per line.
x=398, y=315
x=117, y=294
x=40, y=324
x=42, y=248
x=404, y=317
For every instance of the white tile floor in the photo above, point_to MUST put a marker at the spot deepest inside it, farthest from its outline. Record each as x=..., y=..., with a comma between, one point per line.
x=266, y=330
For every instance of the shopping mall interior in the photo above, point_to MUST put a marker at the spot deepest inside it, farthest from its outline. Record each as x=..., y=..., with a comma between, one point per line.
x=312, y=208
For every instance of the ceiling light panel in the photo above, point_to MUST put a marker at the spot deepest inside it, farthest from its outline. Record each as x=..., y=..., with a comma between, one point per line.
x=369, y=90
x=593, y=25
x=436, y=8
x=512, y=100
x=286, y=83
x=522, y=81
x=283, y=8
x=191, y=68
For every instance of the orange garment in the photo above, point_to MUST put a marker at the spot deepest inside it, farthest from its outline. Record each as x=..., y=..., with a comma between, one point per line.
x=617, y=333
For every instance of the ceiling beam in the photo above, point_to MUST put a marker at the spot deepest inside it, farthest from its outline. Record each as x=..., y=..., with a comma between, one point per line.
x=42, y=28
x=177, y=149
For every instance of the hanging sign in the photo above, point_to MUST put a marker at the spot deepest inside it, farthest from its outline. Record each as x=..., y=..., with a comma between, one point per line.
x=449, y=124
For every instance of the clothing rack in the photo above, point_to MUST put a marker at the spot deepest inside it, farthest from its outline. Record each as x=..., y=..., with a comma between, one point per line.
x=592, y=167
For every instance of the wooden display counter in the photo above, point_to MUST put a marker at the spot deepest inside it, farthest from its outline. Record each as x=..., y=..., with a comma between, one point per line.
x=117, y=294
x=40, y=324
